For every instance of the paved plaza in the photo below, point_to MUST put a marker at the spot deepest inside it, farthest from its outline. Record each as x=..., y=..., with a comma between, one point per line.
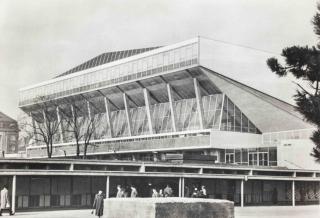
x=247, y=212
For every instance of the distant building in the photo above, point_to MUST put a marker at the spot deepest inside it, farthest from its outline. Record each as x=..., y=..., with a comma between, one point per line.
x=8, y=135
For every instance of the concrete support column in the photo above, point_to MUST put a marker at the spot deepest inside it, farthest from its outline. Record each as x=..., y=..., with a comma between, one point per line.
x=173, y=115
x=14, y=186
x=293, y=194
x=89, y=110
x=242, y=193
x=71, y=168
x=221, y=113
x=60, y=125
x=126, y=107
x=72, y=112
x=34, y=128
x=147, y=103
x=44, y=117
x=142, y=168
x=180, y=187
x=108, y=114
x=199, y=103
x=108, y=187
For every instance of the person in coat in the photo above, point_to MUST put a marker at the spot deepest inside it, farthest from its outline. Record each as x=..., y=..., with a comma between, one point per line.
x=4, y=201
x=134, y=192
x=120, y=193
x=98, y=204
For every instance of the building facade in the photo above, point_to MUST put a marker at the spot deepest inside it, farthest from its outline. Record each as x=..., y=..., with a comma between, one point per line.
x=8, y=135
x=161, y=115
x=162, y=100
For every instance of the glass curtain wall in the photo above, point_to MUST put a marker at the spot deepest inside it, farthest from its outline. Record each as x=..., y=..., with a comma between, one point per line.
x=181, y=57
x=234, y=120
x=251, y=156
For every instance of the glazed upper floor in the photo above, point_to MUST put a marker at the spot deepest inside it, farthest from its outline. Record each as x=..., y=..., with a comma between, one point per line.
x=158, y=61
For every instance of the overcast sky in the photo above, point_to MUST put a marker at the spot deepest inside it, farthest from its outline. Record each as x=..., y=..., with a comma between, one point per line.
x=40, y=39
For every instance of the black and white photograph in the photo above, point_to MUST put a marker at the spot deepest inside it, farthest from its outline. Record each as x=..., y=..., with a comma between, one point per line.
x=160, y=108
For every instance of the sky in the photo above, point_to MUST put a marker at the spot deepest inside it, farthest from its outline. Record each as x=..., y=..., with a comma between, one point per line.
x=41, y=39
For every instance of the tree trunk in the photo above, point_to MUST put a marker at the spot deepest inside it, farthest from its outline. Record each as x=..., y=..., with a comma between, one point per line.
x=78, y=150
x=85, y=151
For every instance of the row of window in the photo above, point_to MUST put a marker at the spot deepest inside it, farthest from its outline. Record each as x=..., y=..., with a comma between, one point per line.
x=165, y=61
x=254, y=156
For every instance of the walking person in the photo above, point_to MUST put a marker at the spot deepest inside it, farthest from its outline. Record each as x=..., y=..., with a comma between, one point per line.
x=4, y=201
x=120, y=193
x=134, y=192
x=203, y=192
x=98, y=204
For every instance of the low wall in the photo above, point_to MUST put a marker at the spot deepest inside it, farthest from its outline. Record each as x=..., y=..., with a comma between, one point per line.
x=168, y=208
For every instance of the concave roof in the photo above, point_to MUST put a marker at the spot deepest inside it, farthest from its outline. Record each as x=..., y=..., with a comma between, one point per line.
x=107, y=58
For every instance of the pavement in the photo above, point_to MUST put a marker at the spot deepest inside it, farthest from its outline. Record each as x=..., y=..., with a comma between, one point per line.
x=310, y=211
x=246, y=212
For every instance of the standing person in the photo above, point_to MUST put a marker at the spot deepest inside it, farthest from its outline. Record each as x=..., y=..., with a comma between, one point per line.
x=167, y=191
x=98, y=204
x=119, y=192
x=5, y=204
x=154, y=193
x=134, y=192
x=161, y=193
x=195, y=193
x=125, y=191
x=203, y=192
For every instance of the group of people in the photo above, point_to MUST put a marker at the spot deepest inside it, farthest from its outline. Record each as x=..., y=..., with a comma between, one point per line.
x=167, y=192
x=123, y=192
x=199, y=193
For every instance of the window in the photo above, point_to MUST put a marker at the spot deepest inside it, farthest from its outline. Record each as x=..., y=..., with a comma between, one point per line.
x=230, y=158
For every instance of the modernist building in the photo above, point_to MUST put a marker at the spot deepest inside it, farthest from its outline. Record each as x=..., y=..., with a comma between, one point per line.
x=8, y=135
x=158, y=102
x=161, y=100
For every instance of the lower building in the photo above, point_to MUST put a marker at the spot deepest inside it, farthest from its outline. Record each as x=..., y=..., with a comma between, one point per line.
x=8, y=135
x=41, y=184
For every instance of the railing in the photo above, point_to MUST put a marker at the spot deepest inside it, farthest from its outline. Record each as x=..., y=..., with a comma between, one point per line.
x=165, y=59
x=139, y=144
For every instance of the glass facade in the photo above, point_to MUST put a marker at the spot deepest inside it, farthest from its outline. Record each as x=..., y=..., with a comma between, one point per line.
x=185, y=110
x=174, y=59
x=265, y=156
x=234, y=120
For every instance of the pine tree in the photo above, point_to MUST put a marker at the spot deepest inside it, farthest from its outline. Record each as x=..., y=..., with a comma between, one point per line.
x=303, y=63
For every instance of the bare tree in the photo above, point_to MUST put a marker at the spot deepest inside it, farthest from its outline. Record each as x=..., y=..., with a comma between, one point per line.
x=44, y=127
x=81, y=124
